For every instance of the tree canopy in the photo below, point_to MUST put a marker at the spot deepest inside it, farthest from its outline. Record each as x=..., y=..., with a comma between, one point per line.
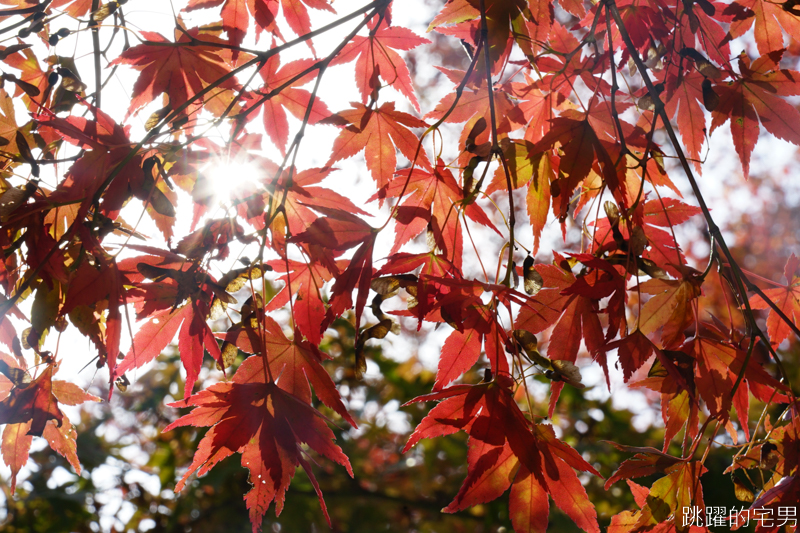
x=258, y=266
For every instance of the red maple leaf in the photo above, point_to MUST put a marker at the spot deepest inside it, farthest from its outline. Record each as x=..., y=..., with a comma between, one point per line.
x=235, y=18
x=32, y=402
x=573, y=310
x=787, y=298
x=460, y=352
x=686, y=103
x=108, y=145
x=300, y=196
x=370, y=130
x=501, y=15
x=768, y=18
x=179, y=71
x=296, y=14
x=295, y=101
x=307, y=280
x=671, y=307
x=296, y=364
x=508, y=450
x=174, y=281
x=375, y=56
x=159, y=330
x=31, y=72
x=30, y=408
x=560, y=67
x=581, y=146
x=330, y=235
x=754, y=96
x=536, y=105
x=266, y=425
x=532, y=169
x=633, y=351
x=662, y=507
x=473, y=106
x=478, y=327
x=434, y=201
x=655, y=218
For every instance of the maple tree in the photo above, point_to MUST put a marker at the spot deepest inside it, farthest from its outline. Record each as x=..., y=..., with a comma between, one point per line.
x=590, y=118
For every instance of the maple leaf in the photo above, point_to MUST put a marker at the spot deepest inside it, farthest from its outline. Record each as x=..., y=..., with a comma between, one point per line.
x=296, y=14
x=506, y=450
x=266, y=425
x=291, y=99
x=673, y=375
x=647, y=461
x=627, y=521
x=235, y=18
x=370, y=130
x=336, y=232
x=477, y=326
x=30, y=408
x=307, y=280
x=179, y=71
x=679, y=489
x=174, y=280
x=375, y=56
x=300, y=197
x=536, y=105
x=545, y=309
x=432, y=268
x=460, y=352
x=357, y=275
x=685, y=103
x=574, y=313
x=159, y=330
x=655, y=217
x=434, y=201
x=718, y=368
x=30, y=72
x=787, y=299
x=8, y=125
x=33, y=402
x=667, y=498
x=643, y=24
x=670, y=308
x=108, y=146
x=768, y=19
x=580, y=147
x=501, y=15
x=756, y=96
x=472, y=106
x=534, y=169
x=297, y=364
x=16, y=445
x=560, y=67
x=633, y=350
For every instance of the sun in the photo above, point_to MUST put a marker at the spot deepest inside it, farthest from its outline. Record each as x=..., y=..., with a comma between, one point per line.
x=227, y=178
